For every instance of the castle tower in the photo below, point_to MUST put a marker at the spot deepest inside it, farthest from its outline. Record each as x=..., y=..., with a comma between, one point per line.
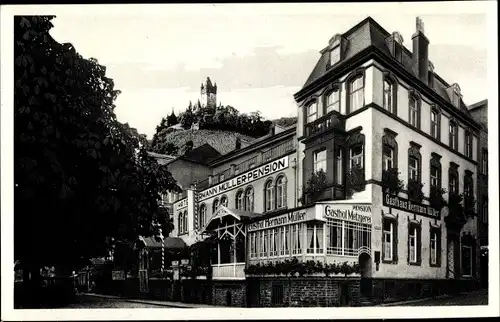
x=208, y=94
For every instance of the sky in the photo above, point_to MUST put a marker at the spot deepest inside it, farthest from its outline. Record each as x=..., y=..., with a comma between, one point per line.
x=259, y=55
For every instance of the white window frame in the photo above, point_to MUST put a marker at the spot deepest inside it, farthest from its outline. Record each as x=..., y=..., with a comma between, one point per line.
x=413, y=118
x=468, y=144
x=356, y=158
x=312, y=113
x=434, y=124
x=356, y=93
x=335, y=104
x=453, y=132
x=413, y=235
x=433, y=247
x=318, y=163
x=281, y=197
x=434, y=178
x=342, y=226
x=317, y=249
x=339, y=164
x=453, y=183
x=388, y=158
x=388, y=95
x=414, y=171
x=269, y=196
x=248, y=199
x=203, y=216
x=389, y=233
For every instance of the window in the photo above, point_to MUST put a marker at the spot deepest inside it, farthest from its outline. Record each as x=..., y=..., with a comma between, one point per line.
x=236, y=170
x=435, y=124
x=333, y=101
x=295, y=236
x=435, y=182
x=315, y=238
x=356, y=156
x=281, y=192
x=221, y=178
x=223, y=201
x=269, y=195
x=249, y=199
x=356, y=93
x=240, y=198
x=312, y=112
x=389, y=246
x=466, y=260
x=484, y=161
x=453, y=135
x=203, y=216
x=435, y=247
x=468, y=144
x=215, y=205
x=389, y=95
x=181, y=223
x=414, y=113
x=253, y=244
x=414, y=244
x=388, y=157
x=468, y=186
x=453, y=182
x=345, y=238
x=413, y=168
x=339, y=165
x=277, y=294
x=320, y=160
x=335, y=56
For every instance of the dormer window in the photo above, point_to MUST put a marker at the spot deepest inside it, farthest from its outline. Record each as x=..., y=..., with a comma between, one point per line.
x=335, y=55
x=398, y=46
x=456, y=95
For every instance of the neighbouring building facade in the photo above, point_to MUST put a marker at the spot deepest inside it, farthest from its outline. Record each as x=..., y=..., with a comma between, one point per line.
x=479, y=112
x=380, y=174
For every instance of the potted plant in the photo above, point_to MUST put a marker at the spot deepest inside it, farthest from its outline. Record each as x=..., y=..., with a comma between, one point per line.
x=415, y=191
x=469, y=203
x=316, y=183
x=436, y=199
x=356, y=179
x=391, y=182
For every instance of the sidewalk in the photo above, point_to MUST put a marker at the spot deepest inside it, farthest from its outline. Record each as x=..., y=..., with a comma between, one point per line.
x=154, y=302
x=429, y=299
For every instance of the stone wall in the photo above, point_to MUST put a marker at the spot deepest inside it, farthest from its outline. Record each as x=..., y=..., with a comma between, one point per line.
x=229, y=293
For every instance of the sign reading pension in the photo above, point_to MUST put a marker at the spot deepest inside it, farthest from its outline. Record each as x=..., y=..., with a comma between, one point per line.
x=245, y=178
x=291, y=218
x=409, y=206
x=357, y=213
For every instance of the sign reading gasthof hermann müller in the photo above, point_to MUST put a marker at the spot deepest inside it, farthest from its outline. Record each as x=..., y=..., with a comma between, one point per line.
x=291, y=218
x=409, y=206
x=245, y=178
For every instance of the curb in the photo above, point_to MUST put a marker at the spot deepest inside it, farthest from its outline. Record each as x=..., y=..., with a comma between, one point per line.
x=402, y=303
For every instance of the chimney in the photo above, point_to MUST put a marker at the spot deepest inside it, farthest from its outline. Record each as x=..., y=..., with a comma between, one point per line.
x=420, y=58
x=238, y=143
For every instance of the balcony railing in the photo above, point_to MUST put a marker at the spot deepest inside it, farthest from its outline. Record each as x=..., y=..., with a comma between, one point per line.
x=324, y=123
x=228, y=271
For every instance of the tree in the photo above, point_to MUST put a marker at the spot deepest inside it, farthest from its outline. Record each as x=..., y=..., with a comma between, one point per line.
x=82, y=179
x=172, y=119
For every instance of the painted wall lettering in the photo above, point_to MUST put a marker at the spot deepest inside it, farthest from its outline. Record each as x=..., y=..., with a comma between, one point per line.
x=409, y=206
x=357, y=213
x=245, y=178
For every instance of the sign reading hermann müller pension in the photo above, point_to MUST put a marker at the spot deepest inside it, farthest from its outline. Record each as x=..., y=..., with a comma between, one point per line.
x=245, y=178
x=409, y=206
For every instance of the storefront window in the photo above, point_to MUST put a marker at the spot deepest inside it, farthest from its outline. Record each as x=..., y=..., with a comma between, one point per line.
x=315, y=238
x=345, y=238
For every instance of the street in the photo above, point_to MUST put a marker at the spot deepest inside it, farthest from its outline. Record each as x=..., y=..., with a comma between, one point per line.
x=94, y=302
x=473, y=298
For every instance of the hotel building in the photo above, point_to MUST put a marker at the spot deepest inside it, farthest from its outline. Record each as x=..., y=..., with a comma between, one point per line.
x=358, y=179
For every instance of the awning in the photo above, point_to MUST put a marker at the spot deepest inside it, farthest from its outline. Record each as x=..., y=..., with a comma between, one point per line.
x=224, y=211
x=168, y=243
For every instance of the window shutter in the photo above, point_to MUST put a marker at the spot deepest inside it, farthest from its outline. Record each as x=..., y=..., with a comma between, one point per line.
x=395, y=241
x=419, y=245
x=439, y=250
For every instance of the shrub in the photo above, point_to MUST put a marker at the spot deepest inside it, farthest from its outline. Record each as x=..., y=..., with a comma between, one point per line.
x=436, y=198
x=391, y=182
x=415, y=191
x=356, y=179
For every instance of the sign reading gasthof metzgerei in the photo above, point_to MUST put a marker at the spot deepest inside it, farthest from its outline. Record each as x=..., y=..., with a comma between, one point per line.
x=409, y=206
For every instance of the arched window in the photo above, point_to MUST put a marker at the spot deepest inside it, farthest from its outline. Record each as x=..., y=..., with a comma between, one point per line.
x=453, y=135
x=269, y=196
x=249, y=199
x=181, y=222
x=389, y=95
x=223, y=201
x=203, y=216
x=312, y=112
x=185, y=220
x=240, y=200
x=215, y=205
x=356, y=93
x=281, y=192
x=333, y=101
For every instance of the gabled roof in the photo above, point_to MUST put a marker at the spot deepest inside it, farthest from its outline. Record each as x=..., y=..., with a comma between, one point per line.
x=202, y=154
x=368, y=33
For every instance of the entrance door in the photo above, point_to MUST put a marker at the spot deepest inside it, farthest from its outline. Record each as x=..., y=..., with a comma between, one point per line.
x=365, y=262
x=143, y=281
x=253, y=294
